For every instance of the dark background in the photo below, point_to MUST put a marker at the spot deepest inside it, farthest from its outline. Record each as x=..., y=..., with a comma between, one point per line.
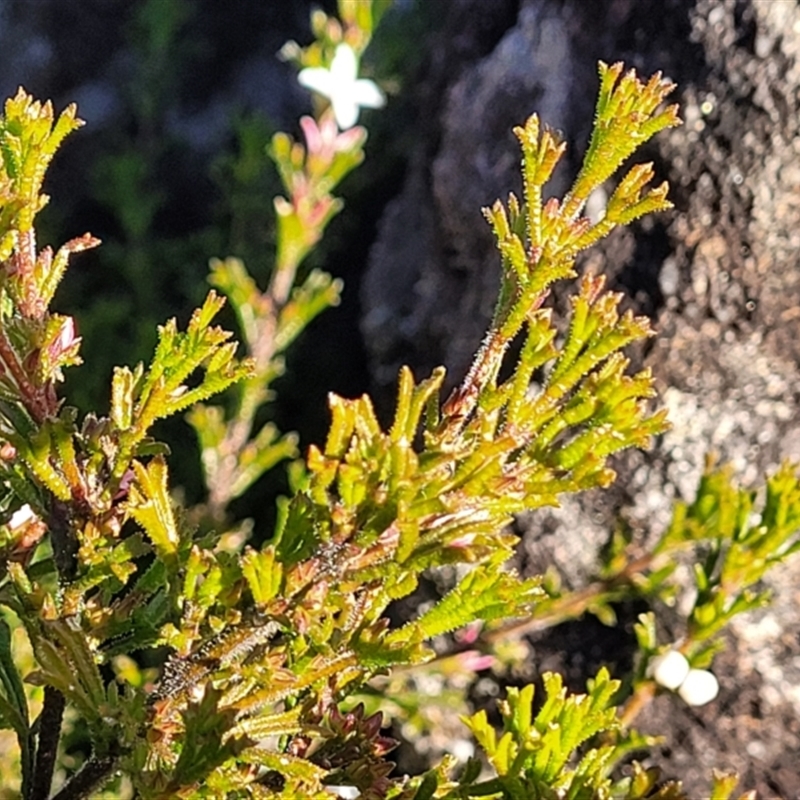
x=180, y=98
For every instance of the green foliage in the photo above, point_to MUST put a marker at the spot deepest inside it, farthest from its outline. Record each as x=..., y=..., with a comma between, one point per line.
x=14, y=711
x=29, y=137
x=535, y=755
x=542, y=748
x=233, y=458
x=263, y=652
x=743, y=542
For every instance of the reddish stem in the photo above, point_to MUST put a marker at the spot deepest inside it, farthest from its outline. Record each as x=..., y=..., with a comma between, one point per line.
x=33, y=399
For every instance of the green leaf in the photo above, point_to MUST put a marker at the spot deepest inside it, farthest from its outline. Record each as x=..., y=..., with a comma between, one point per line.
x=39, y=453
x=288, y=765
x=486, y=594
x=318, y=292
x=163, y=390
x=123, y=389
x=150, y=505
x=364, y=14
x=264, y=574
x=68, y=664
x=296, y=534
x=377, y=650
x=205, y=745
x=265, y=725
x=724, y=784
x=427, y=787
x=566, y=722
x=626, y=117
x=13, y=702
x=29, y=137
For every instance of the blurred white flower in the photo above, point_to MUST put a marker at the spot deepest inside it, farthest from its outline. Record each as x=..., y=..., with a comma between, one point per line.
x=670, y=669
x=22, y=516
x=346, y=792
x=342, y=86
x=699, y=687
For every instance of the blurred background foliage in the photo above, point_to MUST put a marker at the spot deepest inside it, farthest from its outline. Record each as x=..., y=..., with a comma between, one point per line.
x=181, y=98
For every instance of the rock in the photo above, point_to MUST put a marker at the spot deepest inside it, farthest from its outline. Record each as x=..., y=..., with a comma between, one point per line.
x=718, y=276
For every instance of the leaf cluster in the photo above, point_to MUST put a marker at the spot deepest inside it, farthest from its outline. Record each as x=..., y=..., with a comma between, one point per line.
x=741, y=539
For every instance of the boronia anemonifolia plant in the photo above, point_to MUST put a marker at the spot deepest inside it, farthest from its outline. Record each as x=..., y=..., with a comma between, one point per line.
x=201, y=667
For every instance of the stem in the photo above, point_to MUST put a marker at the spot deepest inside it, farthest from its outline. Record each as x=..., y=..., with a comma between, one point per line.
x=282, y=282
x=65, y=544
x=574, y=604
x=34, y=402
x=487, y=363
x=570, y=606
x=462, y=401
x=49, y=725
x=94, y=773
x=641, y=698
x=24, y=260
x=252, y=394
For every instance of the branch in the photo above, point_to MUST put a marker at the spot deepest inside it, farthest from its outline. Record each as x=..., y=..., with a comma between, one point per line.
x=49, y=735
x=94, y=773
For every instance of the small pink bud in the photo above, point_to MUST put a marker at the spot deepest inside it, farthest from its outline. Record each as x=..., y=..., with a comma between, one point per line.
x=470, y=633
x=66, y=336
x=474, y=661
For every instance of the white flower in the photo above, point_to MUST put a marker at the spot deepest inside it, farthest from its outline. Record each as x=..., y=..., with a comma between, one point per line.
x=699, y=687
x=346, y=792
x=22, y=516
x=342, y=86
x=669, y=670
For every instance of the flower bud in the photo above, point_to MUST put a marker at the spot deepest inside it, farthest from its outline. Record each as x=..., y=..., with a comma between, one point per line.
x=699, y=687
x=670, y=669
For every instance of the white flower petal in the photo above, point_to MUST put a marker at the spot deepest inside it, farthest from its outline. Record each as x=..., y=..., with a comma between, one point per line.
x=345, y=109
x=344, y=66
x=318, y=79
x=368, y=95
x=21, y=516
x=670, y=669
x=346, y=792
x=699, y=688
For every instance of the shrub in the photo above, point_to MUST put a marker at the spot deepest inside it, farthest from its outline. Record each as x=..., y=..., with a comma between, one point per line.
x=200, y=667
